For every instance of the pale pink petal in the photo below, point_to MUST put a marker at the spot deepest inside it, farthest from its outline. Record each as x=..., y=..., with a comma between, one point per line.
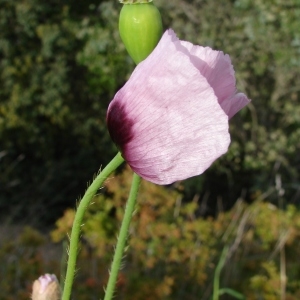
x=216, y=67
x=45, y=280
x=167, y=119
x=234, y=104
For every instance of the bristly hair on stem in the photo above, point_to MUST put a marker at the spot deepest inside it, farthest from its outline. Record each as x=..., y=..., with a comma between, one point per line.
x=122, y=238
x=76, y=228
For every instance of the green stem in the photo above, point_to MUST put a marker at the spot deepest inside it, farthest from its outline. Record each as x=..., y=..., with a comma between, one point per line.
x=218, y=270
x=122, y=237
x=85, y=201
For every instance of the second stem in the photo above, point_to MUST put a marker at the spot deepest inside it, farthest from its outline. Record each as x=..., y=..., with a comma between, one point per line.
x=122, y=237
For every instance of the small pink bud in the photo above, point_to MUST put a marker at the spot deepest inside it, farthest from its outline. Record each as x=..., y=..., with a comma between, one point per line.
x=46, y=288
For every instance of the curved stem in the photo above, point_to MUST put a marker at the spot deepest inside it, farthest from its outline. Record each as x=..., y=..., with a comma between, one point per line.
x=83, y=204
x=122, y=237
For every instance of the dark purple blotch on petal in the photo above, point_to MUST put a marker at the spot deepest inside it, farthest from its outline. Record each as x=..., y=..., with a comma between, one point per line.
x=119, y=125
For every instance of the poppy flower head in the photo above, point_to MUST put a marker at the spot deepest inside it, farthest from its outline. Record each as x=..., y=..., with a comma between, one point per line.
x=170, y=120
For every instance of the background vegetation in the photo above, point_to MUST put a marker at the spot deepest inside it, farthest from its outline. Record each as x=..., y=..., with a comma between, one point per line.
x=61, y=63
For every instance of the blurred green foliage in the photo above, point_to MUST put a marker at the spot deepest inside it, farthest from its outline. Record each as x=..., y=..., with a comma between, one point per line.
x=262, y=38
x=62, y=61
x=25, y=254
x=60, y=64
x=173, y=253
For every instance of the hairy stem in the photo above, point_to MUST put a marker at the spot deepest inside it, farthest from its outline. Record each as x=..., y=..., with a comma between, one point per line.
x=83, y=204
x=122, y=237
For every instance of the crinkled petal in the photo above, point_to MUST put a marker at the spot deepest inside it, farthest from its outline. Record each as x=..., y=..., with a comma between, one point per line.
x=216, y=67
x=167, y=120
x=234, y=104
x=45, y=280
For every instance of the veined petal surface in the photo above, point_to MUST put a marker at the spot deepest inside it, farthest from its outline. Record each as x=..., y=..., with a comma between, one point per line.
x=168, y=120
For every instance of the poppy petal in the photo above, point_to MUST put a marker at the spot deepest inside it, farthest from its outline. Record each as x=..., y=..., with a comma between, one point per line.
x=169, y=120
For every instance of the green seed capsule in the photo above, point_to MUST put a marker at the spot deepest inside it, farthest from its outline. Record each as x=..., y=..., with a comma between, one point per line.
x=140, y=28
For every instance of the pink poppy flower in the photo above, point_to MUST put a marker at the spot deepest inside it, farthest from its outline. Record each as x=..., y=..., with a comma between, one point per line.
x=170, y=120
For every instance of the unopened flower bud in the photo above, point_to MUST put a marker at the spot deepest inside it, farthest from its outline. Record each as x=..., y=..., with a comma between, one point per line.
x=140, y=28
x=46, y=288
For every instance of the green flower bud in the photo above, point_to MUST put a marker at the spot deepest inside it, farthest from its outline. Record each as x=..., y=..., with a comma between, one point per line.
x=140, y=28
